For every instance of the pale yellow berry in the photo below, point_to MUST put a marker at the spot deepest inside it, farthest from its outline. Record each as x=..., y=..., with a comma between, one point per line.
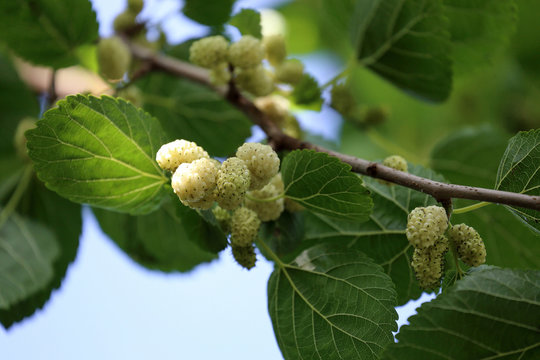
x=469, y=244
x=276, y=107
x=113, y=57
x=196, y=180
x=255, y=80
x=232, y=183
x=209, y=52
x=425, y=225
x=267, y=210
x=396, y=162
x=246, y=53
x=262, y=162
x=244, y=227
x=290, y=72
x=428, y=263
x=274, y=46
x=220, y=74
x=172, y=154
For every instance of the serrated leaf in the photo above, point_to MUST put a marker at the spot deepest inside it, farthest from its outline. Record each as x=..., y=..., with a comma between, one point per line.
x=27, y=252
x=519, y=172
x=47, y=32
x=382, y=237
x=209, y=12
x=63, y=218
x=100, y=151
x=479, y=29
x=407, y=43
x=326, y=185
x=284, y=235
x=331, y=303
x=167, y=240
x=248, y=22
x=470, y=156
x=509, y=242
x=193, y=112
x=491, y=314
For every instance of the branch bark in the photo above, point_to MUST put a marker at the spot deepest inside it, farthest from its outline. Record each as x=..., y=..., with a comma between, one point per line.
x=442, y=192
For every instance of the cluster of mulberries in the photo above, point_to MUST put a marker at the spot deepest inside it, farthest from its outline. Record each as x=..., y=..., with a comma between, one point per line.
x=468, y=244
x=425, y=231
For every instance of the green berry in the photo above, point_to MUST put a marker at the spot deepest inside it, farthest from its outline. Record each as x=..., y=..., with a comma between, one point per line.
x=244, y=255
x=19, y=139
x=209, y=52
x=220, y=74
x=290, y=72
x=274, y=46
x=223, y=217
x=113, y=57
x=469, y=244
x=262, y=162
x=428, y=263
x=194, y=181
x=255, y=80
x=125, y=21
x=244, y=227
x=246, y=53
x=267, y=210
x=342, y=100
x=425, y=225
x=232, y=183
x=396, y=162
x=172, y=154
x=135, y=6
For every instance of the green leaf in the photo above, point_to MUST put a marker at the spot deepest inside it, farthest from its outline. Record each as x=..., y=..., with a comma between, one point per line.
x=16, y=102
x=331, y=303
x=383, y=237
x=407, y=43
x=509, y=242
x=100, y=151
x=479, y=29
x=326, y=185
x=166, y=240
x=63, y=218
x=47, y=32
x=307, y=92
x=27, y=253
x=519, y=172
x=248, y=21
x=209, y=12
x=193, y=112
x=284, y=235
x=491, y=314
x=470, y=156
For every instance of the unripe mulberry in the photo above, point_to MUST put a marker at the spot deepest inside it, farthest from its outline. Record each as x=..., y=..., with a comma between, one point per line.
x=428, y=263
x=276, y=107
x=290, y=72
x=267, y=210
x=342, y=99
x=113, y=57
x=262, y=162
x=244, y=227
x=232, y=183
x=196, y=180
x=222, y=216
x=274, y=46
x=124, y=21
x=396, y=162
x=425, y=225
x=255, y=80
x=209, y=52
x=244, y=255
x=220, y=74
x=469, y=244
x=172, y=154
x=135, y=5
x=246, y=53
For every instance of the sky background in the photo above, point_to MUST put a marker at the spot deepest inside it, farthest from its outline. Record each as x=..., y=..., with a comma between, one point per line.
x=111, y=308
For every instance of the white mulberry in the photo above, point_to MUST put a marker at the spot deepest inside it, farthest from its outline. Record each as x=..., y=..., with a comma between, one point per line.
x=274, y=46
x=469, y=244
x=232, y=183
x=209, y=52
x=267, y=210
x=425, y=225
x=290, y=72
x=172, y=154
x=246, y=53
x=255, y=81
x=396, y=162
x=113, y=57
x=428, y=263
x=244, y=227
x=194, y=181
x=262, y=162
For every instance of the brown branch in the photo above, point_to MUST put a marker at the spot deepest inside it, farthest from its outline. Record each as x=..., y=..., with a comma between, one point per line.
x=442, y=192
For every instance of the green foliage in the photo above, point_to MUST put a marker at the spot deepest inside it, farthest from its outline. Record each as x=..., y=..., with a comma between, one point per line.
x=100, y=151
x=208, y=12
x=325, y=185
x=331, y=303
x=48, y=32
x=27, y=253
x=519, y=172
x=406, y=42
x=248, y=21
x=492, y=313
x=187, y=110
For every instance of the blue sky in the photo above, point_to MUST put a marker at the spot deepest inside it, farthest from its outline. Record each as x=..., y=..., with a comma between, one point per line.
x=111, y=308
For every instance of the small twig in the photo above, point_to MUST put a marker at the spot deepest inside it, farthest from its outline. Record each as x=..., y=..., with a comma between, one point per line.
x=440, y=191
x=51, y=93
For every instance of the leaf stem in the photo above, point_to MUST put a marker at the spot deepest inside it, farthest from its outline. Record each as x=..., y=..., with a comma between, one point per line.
x=472, y=207
x=270, y=199
x=17, y=195
x=270, y=253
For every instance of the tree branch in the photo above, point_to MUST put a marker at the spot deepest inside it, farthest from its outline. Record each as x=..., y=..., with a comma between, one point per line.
x=442, y=192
